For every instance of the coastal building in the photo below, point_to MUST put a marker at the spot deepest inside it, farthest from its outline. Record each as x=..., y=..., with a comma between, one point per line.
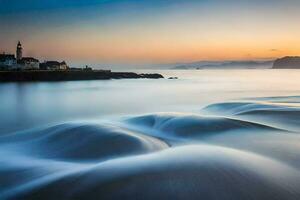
x=25, y=63
x=19, y=51
x=10, y=62
x=7, y=61
x=54, y=65
x=29, y=63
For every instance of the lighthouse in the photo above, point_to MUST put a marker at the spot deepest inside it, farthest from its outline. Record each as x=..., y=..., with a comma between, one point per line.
x=19, y=51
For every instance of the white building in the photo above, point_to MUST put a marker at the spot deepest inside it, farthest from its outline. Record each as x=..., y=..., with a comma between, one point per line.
x=8, y=61
x=25, y=63
x=29, y=63
x=54, y=65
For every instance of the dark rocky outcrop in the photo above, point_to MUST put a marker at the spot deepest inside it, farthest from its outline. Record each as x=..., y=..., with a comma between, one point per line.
x=71, y=75
x=287, y=63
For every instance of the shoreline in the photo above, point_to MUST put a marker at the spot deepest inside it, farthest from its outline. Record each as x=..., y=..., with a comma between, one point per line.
x=70, y=75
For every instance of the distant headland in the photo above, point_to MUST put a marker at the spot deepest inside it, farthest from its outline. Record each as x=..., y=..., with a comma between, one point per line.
x=288, y=62
x=234, y=64
x=18, y=68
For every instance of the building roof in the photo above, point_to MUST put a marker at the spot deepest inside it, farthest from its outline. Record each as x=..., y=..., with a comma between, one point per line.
x=53, y=63
x=28, y=59
x=4, y=57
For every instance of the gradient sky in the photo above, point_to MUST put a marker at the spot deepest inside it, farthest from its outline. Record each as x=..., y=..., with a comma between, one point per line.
x=156, y=31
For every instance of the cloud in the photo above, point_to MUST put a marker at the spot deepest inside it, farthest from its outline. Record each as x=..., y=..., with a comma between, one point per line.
x=274, y=50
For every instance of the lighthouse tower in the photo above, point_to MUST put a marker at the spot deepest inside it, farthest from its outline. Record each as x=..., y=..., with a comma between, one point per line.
x=19, y=51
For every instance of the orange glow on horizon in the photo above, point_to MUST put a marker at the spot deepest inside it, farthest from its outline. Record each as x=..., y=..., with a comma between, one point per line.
x=179, y=34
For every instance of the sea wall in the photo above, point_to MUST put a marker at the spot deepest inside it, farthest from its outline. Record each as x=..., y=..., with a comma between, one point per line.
x=20, y=76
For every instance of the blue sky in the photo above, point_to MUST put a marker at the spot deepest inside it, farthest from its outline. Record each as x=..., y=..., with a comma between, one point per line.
x=156, y=31
x=13, y=6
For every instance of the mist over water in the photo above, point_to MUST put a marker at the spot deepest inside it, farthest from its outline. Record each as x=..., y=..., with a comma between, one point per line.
x=27, y=105
x=211, y=134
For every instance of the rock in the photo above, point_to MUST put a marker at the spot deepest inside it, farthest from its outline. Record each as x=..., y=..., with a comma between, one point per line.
x=151, y=76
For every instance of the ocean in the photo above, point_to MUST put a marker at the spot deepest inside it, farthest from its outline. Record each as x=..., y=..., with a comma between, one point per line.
x=210, y=134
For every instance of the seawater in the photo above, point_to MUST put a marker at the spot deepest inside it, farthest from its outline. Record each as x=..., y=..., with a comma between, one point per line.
x=219, y=134
x=29, y=105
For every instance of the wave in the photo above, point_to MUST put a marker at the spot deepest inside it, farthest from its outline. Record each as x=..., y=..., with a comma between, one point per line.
x=281, y=113
x=192, y=126
x=191, y=172
x=83, y=142
x=232, y=150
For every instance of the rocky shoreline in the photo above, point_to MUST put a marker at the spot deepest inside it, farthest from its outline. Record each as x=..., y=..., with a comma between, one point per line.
x=70, y=75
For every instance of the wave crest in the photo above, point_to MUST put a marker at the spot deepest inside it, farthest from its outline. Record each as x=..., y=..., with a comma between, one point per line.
x=242, y=150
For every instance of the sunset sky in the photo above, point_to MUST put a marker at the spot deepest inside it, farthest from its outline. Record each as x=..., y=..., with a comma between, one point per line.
x=156, y=31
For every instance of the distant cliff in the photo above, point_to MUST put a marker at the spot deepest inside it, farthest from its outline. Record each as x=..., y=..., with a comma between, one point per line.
x=250, y=64
x=287, y=63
